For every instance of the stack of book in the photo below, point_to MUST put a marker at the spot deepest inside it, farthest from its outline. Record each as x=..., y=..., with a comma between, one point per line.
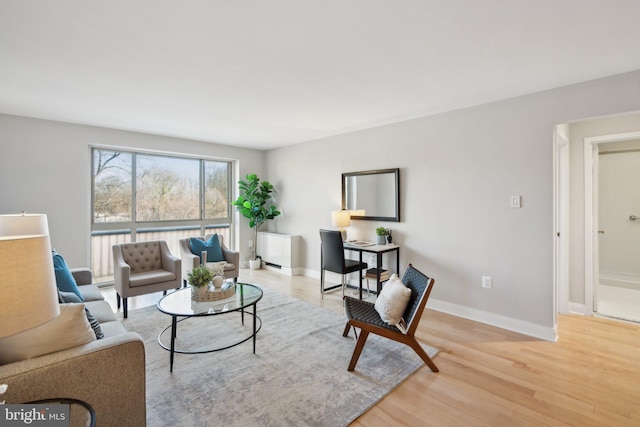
x=384, y=274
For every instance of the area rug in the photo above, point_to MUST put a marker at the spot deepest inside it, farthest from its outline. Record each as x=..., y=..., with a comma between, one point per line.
x=298, y=376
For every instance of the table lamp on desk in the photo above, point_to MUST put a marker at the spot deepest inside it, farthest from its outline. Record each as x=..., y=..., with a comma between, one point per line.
x=341, y=219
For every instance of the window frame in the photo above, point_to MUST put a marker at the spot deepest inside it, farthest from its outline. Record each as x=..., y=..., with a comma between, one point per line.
x=135, y=227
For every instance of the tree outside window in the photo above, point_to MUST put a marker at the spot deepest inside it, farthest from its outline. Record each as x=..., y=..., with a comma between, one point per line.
x=167, y=188
x=112, y=186
x=216, y=200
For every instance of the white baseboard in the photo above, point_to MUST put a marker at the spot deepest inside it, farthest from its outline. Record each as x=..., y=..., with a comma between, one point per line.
x=314, y=274
x=576, y=308
x=504, y=322
x=296, y=271
x=509, y=323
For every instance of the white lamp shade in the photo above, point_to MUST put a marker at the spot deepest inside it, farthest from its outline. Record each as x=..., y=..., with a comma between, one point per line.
x=24, y=225
x=28, y=292
x=340, y=218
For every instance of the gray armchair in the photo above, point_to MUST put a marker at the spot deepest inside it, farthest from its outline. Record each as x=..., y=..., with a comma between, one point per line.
x=190, y=260
x=143, y=268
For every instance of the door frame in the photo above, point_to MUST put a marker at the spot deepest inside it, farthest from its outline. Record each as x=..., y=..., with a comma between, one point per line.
x=561, y=172
x=591, y=247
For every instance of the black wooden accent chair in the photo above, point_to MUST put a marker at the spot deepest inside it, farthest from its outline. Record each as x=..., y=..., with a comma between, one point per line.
x=332, y=259
x=363, y=315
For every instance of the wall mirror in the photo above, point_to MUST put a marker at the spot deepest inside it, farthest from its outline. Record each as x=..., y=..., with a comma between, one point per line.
x=372, y=195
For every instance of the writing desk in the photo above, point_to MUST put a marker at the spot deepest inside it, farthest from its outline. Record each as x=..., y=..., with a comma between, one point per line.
x=378, y=250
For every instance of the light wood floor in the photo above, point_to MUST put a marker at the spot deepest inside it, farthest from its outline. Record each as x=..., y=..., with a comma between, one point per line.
x=492, y=377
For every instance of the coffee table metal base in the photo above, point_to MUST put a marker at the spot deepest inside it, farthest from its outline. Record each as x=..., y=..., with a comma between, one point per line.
x=257, y=325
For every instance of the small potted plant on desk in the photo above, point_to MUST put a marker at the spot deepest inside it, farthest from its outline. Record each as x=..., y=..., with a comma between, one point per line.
x=381, y=235
x=199, y=278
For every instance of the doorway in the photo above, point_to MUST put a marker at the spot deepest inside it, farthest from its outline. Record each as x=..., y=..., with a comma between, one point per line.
x=618, y=289
x=612, y=236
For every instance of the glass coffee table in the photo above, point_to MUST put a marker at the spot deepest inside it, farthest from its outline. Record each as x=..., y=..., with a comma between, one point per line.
x=179, y=304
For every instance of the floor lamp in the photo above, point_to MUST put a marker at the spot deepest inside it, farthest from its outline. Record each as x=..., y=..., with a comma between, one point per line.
x=28, y=292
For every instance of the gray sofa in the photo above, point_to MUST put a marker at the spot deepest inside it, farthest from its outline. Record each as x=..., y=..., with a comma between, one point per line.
x=109, y=373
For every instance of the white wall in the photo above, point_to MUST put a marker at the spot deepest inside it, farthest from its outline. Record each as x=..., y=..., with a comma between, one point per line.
x=458, y=171
x=45, y=168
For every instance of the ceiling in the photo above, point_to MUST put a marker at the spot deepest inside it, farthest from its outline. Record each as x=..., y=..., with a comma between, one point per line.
x=266, y=74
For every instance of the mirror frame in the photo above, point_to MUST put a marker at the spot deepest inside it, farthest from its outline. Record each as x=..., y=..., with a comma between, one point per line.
x=396, y=174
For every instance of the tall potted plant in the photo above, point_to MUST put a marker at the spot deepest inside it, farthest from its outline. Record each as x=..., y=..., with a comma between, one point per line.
x=252, y=204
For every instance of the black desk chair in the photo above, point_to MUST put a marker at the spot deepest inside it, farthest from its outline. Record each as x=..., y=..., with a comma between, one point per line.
x=332, y=259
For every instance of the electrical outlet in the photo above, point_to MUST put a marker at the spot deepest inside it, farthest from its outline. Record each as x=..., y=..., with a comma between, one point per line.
x=486, y=282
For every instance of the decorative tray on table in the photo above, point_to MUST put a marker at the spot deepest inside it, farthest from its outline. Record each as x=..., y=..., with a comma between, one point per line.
x=213, y=294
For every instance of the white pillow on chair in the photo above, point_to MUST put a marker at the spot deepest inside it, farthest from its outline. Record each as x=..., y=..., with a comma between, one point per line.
x=392, y=301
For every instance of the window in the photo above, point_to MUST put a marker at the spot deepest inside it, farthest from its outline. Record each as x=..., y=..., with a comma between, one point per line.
x=111, y=186
x=167, y=188
x=216, y=190
x=141, y=196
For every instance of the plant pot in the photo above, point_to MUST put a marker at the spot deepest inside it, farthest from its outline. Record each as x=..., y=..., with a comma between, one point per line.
x=255, y=264
x=199, y=293
x=380, y=240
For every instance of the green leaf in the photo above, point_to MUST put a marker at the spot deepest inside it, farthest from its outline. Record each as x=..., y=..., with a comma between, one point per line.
x=252, y=200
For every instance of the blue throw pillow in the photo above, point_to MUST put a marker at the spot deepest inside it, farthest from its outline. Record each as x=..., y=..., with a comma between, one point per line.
x=64, y=278
x=212, y=246
x=68, y=297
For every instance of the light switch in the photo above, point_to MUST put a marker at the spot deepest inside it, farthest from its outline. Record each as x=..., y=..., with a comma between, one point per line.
x=515, y=201
x=486, y=282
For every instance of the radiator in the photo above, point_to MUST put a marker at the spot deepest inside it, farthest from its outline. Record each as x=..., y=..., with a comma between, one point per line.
x=280, y=251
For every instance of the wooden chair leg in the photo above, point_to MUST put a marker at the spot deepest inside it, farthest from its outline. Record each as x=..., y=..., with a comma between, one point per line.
x=346, y=331
x=415, y=345
x=356, y=351
x=124, y=307
x=347, y=327
x=118, y=300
